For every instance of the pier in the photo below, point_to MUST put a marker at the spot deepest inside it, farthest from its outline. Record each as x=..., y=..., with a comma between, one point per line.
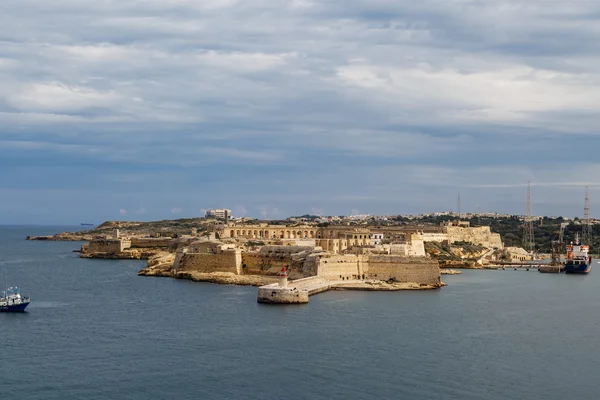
x=517, y=265
x=298, y=291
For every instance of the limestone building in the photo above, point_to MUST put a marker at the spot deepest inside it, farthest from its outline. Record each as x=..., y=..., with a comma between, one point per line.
x=218, y=213
x=269, y=232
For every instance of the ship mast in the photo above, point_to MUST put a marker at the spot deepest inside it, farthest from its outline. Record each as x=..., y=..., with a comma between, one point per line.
x=587, y=223
x=528, y=238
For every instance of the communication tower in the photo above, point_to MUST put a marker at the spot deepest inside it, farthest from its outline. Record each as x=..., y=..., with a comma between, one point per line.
x=587, y=222
x=528, y=238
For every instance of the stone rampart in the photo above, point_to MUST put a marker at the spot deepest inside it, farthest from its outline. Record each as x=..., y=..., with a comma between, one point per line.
x=480, y=235
x=226, y=261
x=108, y=246
x=417, y=246
x=420, y=270
x=301, y=262
x=347, y=266
x=433, y=237
x=150, y=243
x=270, y=259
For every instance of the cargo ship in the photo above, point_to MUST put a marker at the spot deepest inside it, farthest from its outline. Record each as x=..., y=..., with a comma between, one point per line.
x=578, y=261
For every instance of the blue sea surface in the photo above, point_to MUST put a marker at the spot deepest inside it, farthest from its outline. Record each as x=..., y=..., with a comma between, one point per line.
x=95, y=330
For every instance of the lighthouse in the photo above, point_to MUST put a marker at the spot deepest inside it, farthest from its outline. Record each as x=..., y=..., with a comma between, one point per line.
x=283, y=278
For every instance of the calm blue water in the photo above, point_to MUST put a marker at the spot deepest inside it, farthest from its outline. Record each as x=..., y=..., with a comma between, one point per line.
x=95, y=330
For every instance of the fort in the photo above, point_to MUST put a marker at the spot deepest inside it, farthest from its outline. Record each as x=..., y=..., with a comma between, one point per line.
x=353, y=236
x=312, y=269
x=314, y=258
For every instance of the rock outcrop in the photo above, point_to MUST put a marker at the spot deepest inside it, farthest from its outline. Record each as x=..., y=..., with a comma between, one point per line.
x=128, y=254
x=68, y=237
x=159, y=264
x=458, y=255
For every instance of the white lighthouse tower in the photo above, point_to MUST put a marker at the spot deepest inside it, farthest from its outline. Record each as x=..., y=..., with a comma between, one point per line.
x=283, y=278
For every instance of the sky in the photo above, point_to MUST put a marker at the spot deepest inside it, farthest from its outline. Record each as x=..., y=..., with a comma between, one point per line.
x=147, y=109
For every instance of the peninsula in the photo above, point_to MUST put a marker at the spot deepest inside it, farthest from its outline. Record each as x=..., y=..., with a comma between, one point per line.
x=315, y=255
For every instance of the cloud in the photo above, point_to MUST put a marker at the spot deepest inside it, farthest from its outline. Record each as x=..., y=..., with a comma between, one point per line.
x=316, y=211
x=55, y=97
x=176, y=210
x=381, y=106
x=122, y=212
x=240, y=211
x=269, y=212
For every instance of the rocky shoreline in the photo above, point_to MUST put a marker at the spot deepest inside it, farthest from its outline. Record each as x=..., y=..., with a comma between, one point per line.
x=67, y=237
x=450, y=272
x=228, y=278
x=133, y=254
x=386, y=286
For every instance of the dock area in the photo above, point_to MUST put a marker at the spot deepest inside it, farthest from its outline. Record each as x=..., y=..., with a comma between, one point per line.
x=298, y=291
x=294, y=292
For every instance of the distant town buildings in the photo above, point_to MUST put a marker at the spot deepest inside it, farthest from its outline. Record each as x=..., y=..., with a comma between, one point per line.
x=218, y=213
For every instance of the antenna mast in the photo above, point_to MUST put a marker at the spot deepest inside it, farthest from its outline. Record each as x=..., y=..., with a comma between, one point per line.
x=528, y=238
x=459, y=206
x=587, y=223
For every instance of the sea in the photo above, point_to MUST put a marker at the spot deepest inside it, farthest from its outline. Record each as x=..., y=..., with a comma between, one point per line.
x=96, y=330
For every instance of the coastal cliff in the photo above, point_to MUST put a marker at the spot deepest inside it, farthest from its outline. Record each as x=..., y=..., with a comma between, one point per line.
x=106, y=230
x=457, y=255
x=68, y=237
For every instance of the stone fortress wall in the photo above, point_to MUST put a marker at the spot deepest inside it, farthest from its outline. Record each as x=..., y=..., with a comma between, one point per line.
x=150, y=243
x=106, y=246
x=346, y=266
x=269, y=260
x=408, y=269
x=480, y=235
x=302, y=262
x=228, y=261
x=336, y=238
x=433, y=237
x=117, y=246
x=268, y=232
x=209, y=256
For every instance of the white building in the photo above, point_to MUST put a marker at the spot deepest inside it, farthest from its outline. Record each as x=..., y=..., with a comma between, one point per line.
x=219, y=213
x=376, y=238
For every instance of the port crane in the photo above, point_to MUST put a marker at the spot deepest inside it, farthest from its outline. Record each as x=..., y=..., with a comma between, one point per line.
x=558, y=245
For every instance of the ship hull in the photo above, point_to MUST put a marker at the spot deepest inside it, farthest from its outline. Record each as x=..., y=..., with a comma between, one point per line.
x=14, y=307
x=578, y=269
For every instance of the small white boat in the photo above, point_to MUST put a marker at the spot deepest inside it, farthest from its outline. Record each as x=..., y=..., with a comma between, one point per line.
x=12, y=300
